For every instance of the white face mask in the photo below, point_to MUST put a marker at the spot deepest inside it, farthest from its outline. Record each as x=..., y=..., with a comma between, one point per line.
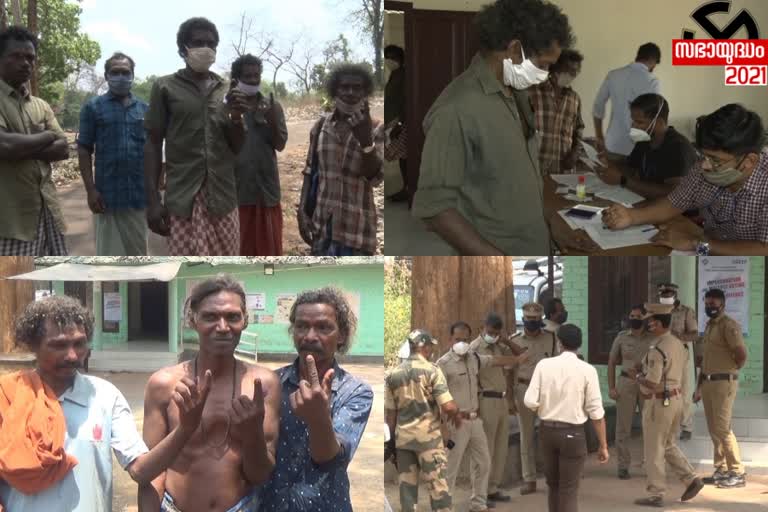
x=248, y=89
x=523, y=76
x=490, y=339
x=638, y=135
x=461, y=348
x=391, y=64
x=667, y=300
x=349, y=109
x=200, y=59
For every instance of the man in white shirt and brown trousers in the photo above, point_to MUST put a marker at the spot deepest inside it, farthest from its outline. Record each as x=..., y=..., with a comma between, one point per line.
x=564, y=392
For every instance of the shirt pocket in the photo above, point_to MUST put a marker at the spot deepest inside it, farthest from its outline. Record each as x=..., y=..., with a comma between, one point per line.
x=135, y=128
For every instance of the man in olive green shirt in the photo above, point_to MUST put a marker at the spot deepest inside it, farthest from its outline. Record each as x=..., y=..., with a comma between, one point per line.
x=479, y=186
x=31, y=223
x=203, y=135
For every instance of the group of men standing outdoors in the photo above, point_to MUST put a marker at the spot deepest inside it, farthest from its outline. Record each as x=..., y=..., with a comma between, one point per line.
x=219, y=434
x=438, y=412
x=197, y=164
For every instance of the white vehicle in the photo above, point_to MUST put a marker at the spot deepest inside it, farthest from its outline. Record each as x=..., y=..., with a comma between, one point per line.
x=531, y=285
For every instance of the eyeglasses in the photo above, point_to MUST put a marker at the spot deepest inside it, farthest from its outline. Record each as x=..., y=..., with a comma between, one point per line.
x=715, y=164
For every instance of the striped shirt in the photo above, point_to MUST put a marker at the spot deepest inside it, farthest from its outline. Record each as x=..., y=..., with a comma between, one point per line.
x=740, y=215
x=344, y=196
x=622, y=86
x=559, y=122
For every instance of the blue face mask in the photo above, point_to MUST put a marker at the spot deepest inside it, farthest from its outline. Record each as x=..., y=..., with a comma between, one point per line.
x=120, y=85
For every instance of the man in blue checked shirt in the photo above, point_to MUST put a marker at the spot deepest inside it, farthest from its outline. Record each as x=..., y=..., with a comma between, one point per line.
x=114, y=124
x=323, y=412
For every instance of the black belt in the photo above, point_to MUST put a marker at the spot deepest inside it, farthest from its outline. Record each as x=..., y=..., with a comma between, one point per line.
x=493, y=394
x=524, y=381
x=719, y=376
x=558, y=424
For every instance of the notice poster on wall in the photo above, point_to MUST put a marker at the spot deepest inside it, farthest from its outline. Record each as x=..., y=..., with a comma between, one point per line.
x=730, y=274
x=284, y=304
x=112, y=307
x=256, y=301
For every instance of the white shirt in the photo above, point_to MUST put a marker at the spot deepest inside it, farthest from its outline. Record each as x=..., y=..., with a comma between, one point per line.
x=622, y=86
x=566, y=389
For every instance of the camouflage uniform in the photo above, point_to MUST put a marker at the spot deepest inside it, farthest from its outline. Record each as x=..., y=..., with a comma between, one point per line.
x=416, y=389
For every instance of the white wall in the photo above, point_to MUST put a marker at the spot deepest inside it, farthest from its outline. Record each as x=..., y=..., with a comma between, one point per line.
x=608, y=33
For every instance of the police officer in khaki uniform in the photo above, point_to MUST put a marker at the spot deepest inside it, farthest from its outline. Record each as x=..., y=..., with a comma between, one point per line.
x=628, y=350
x=686, y=328
x=461, y=367
x=724, y=353
x=493, y=407
x=415, y=395
x=660, y=383
x=537, y=344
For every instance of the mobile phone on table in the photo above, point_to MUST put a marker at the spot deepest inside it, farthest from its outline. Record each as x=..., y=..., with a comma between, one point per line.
x=582, y=214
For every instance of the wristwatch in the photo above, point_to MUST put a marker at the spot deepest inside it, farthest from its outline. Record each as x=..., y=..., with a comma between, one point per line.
x=702, y=248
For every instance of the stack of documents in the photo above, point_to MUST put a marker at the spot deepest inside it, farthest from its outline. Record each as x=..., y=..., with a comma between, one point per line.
x=604, y=237
x=599, y=188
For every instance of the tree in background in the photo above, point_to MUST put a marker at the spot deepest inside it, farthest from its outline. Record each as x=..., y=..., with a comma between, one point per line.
x=63, y=48
x=369, y=20
x=335, y=52
x=397, y=306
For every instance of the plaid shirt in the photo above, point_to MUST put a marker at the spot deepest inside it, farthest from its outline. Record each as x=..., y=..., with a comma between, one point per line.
x=740, y=215
x=117, y=131
x=558, y=120
x=343, y=195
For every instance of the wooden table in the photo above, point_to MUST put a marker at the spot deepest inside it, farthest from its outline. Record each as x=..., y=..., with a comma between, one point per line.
x=578, y=243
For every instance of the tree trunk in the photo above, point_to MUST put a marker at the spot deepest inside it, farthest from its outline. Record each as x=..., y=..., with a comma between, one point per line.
x=16, y=6
x=3, y=15
x=32, y=25
x=446, y=289
x=14, y=295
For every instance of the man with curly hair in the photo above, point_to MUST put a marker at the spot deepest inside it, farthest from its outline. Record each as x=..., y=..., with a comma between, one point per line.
x=202, y=135
x=59, y=428
x=480, y=188
x=324, y=409
x=337, y=214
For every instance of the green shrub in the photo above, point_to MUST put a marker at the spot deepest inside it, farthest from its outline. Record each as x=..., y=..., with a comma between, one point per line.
x=397, y=308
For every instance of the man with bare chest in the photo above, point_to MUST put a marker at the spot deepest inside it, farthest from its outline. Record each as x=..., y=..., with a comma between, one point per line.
x=233, y=450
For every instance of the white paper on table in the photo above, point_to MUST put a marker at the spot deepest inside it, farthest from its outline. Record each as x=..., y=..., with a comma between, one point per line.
x=562, y=190
x=591, y=181
x=682, y=253
x=591, y=154
x=608, y=239
x=619, y=194
x=577, y=199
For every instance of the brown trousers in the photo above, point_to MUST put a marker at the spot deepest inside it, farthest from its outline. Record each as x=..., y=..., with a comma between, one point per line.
x=565, y=451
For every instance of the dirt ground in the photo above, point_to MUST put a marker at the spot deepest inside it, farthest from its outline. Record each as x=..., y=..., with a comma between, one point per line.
x=602, y=491
x=365, y=471
x=291, y=162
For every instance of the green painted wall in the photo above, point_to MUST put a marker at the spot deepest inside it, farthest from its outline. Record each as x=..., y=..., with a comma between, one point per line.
x=365, y=280
x=103, y=340
x=576, y=299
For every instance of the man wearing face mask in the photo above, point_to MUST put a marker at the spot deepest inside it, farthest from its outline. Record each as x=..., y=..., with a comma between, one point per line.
x=660, y=381
x=112, y=127
x=686, y=328
x=661, y=156
x=394, y=115
x=493, y=407
x=728, y=185
x=416, y=396
x=555, y=314
x=538, y=344
x=724, y=354
x=461, y=367
x=481, y=142
x=558, y=115
x=258, y=182
x=202, y=135
x=628, y=350
x=621, y=87
x=344, y=164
